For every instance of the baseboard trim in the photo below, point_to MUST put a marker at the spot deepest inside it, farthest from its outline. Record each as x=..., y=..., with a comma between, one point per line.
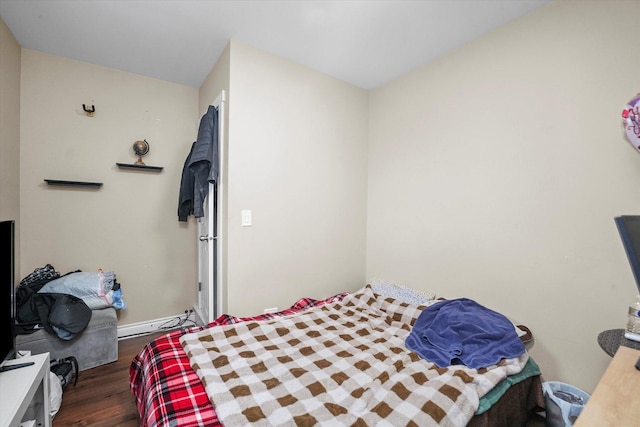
x=148, y=327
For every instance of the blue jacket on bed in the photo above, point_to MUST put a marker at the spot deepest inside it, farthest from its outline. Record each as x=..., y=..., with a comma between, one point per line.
x=461, y=331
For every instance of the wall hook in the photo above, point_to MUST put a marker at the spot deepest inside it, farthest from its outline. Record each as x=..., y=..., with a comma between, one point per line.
x=89, y=111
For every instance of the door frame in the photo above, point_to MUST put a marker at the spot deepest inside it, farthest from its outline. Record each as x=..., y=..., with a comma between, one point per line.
x=209, y=310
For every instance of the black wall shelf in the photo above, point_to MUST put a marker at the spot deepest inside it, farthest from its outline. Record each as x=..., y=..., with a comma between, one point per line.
x=139, y=167
x=73, y=183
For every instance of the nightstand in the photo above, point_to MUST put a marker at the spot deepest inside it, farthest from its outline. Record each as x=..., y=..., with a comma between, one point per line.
x=612, y=339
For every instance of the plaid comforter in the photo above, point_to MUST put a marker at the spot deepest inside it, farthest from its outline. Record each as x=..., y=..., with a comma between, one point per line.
x=337, y=364
x=168, y=392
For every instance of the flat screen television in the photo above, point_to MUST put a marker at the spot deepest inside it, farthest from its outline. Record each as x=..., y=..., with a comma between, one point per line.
x=7, y=291
x=629, y=230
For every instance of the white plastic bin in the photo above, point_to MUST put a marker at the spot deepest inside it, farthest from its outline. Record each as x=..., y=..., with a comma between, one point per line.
x=563, y=403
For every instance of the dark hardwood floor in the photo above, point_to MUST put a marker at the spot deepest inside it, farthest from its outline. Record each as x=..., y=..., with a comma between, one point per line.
x=102, y=396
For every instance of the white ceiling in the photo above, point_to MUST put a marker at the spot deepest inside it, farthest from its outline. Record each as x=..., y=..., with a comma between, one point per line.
x=363, y=42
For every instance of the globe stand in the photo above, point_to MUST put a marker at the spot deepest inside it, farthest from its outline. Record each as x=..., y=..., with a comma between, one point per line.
x=141, y=148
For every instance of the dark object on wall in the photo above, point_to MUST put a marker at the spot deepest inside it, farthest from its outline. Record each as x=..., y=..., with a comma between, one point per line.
x=140, y=167
x=89, y=111
x=73, y=183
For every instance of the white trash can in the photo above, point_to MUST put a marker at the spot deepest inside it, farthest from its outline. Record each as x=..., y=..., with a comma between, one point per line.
x=563, y=403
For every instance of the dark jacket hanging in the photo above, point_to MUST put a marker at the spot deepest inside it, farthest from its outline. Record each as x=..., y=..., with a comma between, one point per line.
x=200, y=168
x=204, y=159
x=185, y=197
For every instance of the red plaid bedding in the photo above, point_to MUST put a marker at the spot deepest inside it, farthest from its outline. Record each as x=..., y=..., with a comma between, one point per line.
x=168, y=392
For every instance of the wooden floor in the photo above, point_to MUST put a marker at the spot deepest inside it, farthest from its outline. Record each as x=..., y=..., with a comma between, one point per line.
x=102, y=396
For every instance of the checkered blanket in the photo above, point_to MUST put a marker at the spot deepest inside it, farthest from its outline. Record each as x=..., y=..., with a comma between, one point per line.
x=339, y=364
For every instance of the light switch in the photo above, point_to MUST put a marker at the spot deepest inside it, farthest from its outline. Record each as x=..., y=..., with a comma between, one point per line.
x=246, y=218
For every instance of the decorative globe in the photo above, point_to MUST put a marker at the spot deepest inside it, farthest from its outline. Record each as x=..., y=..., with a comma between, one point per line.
x=141, y=148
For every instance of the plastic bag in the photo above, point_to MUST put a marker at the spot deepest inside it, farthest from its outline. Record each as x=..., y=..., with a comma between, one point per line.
x=55, y=394
x=563, y=402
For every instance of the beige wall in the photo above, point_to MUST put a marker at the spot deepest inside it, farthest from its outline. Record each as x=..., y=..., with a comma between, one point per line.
x=130, y=225
x=308, y=235
x=297, y=159
x=495, y=173
x=10, y=133
x=217, y=81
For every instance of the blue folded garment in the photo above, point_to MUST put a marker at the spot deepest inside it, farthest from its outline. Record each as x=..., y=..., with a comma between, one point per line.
x=461, y=331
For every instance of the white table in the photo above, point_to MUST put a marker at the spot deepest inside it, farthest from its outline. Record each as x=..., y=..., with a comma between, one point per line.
x=24, y=393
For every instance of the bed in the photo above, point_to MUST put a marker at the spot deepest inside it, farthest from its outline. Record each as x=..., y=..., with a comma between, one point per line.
x=286, y=372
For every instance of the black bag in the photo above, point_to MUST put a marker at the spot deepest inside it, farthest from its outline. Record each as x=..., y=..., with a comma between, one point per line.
x=42, y=274
x=62, y=314
x=27, y=314
x=65, y=369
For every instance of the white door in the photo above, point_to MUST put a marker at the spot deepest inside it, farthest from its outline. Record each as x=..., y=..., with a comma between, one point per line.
x=207, y=256
x=210, y=238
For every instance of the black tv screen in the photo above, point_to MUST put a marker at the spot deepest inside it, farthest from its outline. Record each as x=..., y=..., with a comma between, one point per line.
x=7, y=291
x=629, y=230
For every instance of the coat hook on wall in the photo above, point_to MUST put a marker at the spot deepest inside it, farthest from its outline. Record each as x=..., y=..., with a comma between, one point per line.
x=89, y=111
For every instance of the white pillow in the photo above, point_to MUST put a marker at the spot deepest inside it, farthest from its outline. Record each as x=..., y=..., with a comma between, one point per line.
x=401, y=292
